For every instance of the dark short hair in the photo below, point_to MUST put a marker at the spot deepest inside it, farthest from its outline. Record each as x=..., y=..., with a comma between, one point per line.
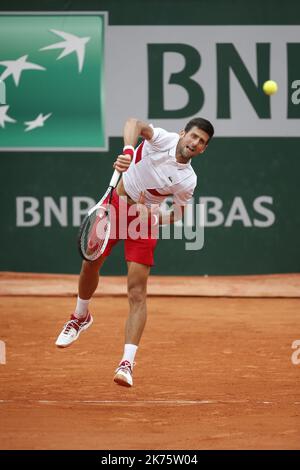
x=202, y=124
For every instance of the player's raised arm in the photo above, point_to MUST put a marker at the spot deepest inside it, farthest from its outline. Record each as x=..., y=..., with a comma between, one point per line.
x=134, y=129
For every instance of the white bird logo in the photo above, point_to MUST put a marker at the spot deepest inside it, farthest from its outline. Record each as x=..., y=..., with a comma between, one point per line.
x=16, y=67
x=4, y=116
x=38, y=122
x=70, y=44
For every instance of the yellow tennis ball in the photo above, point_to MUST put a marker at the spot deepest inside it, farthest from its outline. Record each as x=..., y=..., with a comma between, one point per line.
x=270, y=87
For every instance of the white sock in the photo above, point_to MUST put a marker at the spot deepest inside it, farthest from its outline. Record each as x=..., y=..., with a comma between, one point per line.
x=129, y=353
x=81, y=307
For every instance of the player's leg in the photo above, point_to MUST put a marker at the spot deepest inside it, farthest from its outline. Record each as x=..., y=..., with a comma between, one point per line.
x=139, y=254
x=137, y=295
x=88, y=282
x=81, y=319
x=89, y=277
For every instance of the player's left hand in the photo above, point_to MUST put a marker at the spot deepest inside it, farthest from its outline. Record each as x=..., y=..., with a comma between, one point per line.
x=122, y=163
x=142, y=209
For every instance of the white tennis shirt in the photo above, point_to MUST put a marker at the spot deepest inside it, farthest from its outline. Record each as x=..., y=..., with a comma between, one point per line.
x=155, y=171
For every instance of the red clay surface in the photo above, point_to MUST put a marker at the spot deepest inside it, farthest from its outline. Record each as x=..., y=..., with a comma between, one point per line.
x=262, y=285
x=210, y=374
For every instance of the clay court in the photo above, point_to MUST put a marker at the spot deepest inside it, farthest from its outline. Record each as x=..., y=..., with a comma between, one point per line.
x=211, y=372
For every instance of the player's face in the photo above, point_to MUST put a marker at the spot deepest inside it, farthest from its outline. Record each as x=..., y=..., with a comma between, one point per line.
x=193, y=142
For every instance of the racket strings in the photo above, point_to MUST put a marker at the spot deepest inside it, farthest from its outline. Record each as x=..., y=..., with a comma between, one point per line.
x=95, y=233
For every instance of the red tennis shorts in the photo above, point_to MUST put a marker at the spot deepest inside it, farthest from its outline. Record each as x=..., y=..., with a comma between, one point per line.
x=139, y=246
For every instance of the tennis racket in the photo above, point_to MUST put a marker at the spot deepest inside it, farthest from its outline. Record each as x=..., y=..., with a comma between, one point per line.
x=95, y=229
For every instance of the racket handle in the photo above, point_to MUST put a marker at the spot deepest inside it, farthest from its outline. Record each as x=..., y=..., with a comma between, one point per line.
x=115, y=178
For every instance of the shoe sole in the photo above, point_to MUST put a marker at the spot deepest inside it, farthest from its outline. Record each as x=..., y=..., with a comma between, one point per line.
x=119, y=379
x=63, y=346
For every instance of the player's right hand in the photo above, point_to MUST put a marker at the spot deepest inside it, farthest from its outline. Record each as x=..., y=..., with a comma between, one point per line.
x=122, y=163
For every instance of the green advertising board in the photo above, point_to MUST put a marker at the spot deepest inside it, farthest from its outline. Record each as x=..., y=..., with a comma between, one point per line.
x=69, y=79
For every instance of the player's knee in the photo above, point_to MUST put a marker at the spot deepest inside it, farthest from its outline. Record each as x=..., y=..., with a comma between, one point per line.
x=89, y=266
x=136, y=294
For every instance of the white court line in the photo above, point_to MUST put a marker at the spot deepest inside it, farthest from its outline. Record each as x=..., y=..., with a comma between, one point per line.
x=138, y=402
x=114, y=402
x=147, y=402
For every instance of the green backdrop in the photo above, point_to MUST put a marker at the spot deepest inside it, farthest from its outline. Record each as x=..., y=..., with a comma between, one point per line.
x=233, y=167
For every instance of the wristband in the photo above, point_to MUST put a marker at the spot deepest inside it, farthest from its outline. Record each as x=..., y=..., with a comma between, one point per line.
x=128, y=150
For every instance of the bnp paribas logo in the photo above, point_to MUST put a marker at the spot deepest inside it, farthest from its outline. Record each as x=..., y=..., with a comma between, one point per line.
x=51, y=81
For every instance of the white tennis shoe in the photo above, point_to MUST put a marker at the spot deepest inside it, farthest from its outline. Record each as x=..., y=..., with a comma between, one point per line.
x=123, y=374
x=72, y=330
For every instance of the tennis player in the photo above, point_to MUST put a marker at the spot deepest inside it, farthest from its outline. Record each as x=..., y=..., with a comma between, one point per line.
x=158, y=168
